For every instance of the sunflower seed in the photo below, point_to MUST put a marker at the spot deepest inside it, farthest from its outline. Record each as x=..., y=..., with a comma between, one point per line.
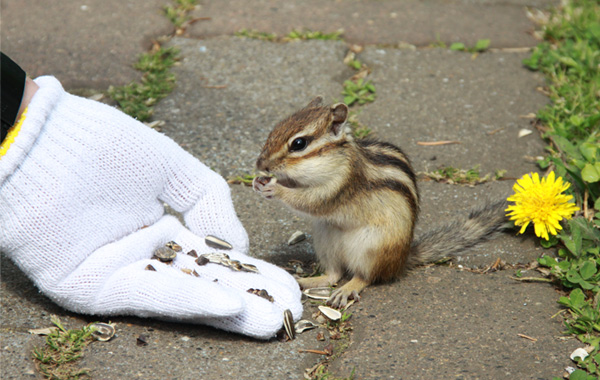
x=215, y=242
x=202, y=260
x=296, y=237
x=249, y=268
x=261, y=293
x=288, y=324
x=165, y=254
x=174, y=246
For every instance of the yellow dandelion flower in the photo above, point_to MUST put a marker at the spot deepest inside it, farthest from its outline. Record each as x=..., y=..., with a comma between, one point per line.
x=541, y=202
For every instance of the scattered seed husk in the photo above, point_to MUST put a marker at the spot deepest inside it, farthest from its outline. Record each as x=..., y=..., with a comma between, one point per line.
x=174, y=246
x=103, y=331
x=195, y=273
x=235, y=265
x=215, y=242
x=304, y=325
x=579, y=353
x=186, y=270
x=524, y=132
x=330, y=313
x=202, y=260
x=43, y=331
x=296, y=237
x=249, y=268
x=192, y=253
x=288, y=324
x=142, y=340
x=165, y=254
x=150, y=267
x=261, y=293
x=318, y=293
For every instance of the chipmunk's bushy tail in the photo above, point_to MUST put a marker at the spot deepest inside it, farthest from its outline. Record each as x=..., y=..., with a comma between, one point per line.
x=451, y=239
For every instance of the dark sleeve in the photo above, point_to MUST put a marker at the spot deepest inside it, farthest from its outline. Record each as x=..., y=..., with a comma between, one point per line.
x=12, y=80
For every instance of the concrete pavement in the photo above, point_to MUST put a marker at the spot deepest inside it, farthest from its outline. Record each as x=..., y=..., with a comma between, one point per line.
x=436, y=322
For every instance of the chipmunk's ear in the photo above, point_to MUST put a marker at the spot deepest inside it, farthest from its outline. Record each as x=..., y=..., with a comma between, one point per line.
x=339, y=113
x=316, y=102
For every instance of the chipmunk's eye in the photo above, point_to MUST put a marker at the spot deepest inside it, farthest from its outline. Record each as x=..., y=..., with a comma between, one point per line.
x=298, y=144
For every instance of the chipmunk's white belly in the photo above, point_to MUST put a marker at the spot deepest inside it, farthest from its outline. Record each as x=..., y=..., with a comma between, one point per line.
x=343, y=250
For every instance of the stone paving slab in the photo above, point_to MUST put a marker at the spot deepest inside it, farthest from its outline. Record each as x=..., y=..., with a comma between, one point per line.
x=390, y=22
x=230, y=93
x=439, y=323
x=86, y=44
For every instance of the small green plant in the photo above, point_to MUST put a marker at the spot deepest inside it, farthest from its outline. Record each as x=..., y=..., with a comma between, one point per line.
x=360, y=92
x=359, y=130
x=355, y=64
x=471, y=177
x=569, y=57
x=245, y=179
x=178, y=12
x=56, y=360
x=255, y=34
x=480, y=46
x=307, y=34
x=137, y=98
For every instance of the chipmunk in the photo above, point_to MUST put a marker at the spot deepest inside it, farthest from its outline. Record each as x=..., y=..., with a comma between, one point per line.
x=363, y=199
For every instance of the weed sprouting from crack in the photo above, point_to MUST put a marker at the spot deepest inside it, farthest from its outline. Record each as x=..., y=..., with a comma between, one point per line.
x=470, y=177
x=57, y=359
x=138, y=98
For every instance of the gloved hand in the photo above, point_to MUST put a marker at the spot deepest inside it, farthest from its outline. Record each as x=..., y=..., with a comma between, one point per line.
x=82, y=189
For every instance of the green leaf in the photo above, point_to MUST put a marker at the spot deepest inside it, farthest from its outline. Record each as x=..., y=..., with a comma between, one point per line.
x=577, y=298
x=588, y=150
x=566, y=146
x=591, y=173
x=551, y=242
x=578, y=374
x=547, y=261
x=457, y=46
x=588, y=269
x=586, y=285
x=573, y=276
x=349, y=100
x=568, y=61
x=482, y=45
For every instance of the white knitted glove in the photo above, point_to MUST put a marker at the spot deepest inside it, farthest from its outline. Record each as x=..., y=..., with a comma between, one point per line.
x=81, y=212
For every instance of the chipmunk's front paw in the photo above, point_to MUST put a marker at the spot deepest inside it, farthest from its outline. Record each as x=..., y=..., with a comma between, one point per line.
x=340, y=297
x=265, y=186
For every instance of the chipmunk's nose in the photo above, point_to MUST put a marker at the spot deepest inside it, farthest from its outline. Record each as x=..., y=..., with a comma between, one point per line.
x=261, y=164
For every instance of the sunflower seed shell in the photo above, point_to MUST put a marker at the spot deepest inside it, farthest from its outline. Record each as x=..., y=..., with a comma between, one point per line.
x=215, y=242
x=330, y=313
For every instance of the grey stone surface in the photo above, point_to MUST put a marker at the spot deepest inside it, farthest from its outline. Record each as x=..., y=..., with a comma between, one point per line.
x=445, y=324
x=415, y=22
x=85, y=44
x=435, y=322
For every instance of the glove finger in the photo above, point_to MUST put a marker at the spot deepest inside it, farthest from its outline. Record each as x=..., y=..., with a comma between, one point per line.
x=202, y=196
x=260, y=319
